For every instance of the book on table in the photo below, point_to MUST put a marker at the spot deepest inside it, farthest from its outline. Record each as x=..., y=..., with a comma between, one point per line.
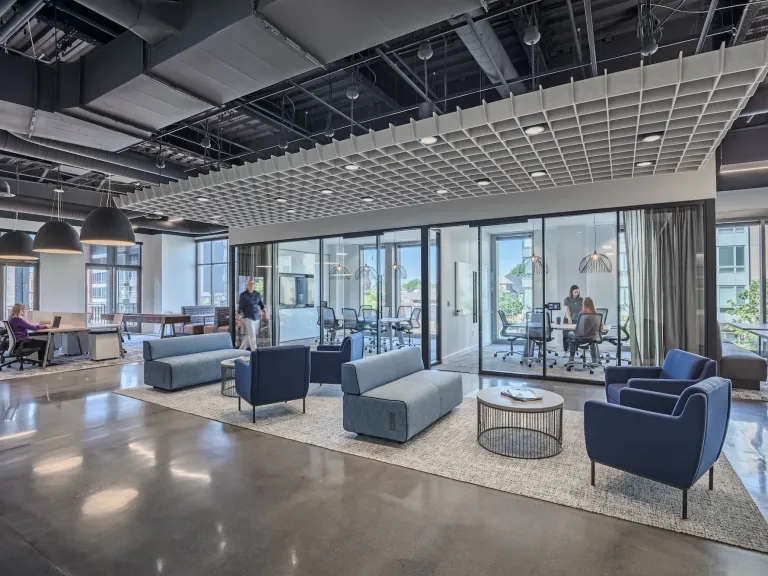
x=521, y=394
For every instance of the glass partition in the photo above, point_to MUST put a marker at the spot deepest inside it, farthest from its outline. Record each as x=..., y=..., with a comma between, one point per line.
x=255, y=262
x=349, y=297
x=434, y=298
x=400, y=310
x=516, y=333
x=298, y=291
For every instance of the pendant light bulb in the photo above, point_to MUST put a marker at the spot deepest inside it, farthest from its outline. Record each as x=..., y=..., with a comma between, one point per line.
x=206, y=142
x=425, y=50
x=352, y=92
x=328, y=127
x=160, y=163
x=532, y=35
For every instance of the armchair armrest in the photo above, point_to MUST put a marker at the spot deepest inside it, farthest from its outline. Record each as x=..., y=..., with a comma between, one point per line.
x=325, y=367
x=328, y=348
x=648, y=401
x=243, y=379
x=622, y=374
x=663, y=386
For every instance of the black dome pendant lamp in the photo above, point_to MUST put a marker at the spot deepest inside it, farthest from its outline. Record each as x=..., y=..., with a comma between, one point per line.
x=16, y=245
x=108, y=226
x=57, y=236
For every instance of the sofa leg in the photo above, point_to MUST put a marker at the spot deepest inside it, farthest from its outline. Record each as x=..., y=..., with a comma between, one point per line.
x=712, y=477
x=685, y=504
x=592, y=462
x=254, y=413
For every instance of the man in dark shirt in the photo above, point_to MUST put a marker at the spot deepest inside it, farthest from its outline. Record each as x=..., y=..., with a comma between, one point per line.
x=251, y=306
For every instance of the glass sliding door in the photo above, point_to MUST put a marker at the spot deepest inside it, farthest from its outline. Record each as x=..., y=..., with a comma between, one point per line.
x=255, y=262
x=401, y=305
x=350, y=290
x=434, y=297
x=516, y=334
x=581, y=276
x=298, y=292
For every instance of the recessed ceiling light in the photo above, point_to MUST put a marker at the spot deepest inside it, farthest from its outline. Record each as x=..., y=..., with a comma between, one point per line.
x=351, y=167
x=428, y=140
x=441, y=191
x=281, y=200
x=341, y=253
x=654, y=137
x=535, y=130
x=644, y=164
x=483, y=182
x=158, y=213
x=326, y=191
x=58, y=190
x=538, y=173
x=202, y=199
x=367, y=199
x=290, y=211
x=175, y=219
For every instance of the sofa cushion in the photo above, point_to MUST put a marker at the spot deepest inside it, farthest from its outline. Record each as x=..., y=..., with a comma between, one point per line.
x=613, y=392
x=363, y=375
x=197, y=368
x=738, y=363
x=447, y=384
x=421, y=401
x=682, y=365
x=169, y=347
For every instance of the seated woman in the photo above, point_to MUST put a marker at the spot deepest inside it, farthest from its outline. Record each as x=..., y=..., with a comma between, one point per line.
x=589, y=331
x=21, y=330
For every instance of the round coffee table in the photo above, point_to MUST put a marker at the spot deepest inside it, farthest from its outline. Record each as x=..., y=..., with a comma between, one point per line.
x=517, y=429
x=228, y=376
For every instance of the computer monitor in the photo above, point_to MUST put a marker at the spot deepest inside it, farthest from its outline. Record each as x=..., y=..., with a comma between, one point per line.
x=56, y=321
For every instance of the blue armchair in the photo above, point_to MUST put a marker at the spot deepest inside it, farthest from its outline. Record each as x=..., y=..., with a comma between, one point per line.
x=327, y=360
x=680, y=370
x=275, y=374
x=669, y=439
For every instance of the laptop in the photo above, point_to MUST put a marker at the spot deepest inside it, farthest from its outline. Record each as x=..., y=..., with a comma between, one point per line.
x=56, y=322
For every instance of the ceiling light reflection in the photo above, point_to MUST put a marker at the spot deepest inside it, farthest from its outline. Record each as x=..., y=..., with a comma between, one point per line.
x=18, y=435
x=189, y=475
x=57, y=465
x=108, y=501
x=140, y=450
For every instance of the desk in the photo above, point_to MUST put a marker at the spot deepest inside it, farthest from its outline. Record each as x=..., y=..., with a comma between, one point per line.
x=165, y=320
x=70, y=329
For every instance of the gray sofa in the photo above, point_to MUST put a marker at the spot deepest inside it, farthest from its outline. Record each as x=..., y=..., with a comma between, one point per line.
x=175, y=363
x=743, y=368
x=391, y=395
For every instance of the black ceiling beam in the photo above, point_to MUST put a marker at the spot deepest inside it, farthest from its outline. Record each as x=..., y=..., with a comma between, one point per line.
x=575, y=32
x=330, y=107
x=267, y=117
x=745, y=23
x=591, y=37
x=707, y=25
x=400, y=72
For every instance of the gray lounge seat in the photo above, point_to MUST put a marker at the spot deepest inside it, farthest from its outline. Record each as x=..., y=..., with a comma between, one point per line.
x=391, y=395
x=743, y=368
x=175, y=363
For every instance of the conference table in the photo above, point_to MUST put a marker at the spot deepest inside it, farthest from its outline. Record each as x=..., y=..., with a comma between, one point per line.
x=74, y=329
x=165, y=321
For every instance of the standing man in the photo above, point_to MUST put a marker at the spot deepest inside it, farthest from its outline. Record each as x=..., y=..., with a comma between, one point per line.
x=251, y=306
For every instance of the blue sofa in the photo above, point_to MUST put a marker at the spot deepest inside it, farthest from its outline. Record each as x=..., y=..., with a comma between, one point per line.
x=391, y=395
x=274, y=374
x=175, y=363
x=667, y=438
x=680, y=370
x=327, y=360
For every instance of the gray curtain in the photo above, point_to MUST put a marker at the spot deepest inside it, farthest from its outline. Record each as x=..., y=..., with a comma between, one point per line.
x=665, y=270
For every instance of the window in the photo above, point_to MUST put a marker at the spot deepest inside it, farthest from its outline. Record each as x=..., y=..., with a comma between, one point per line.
x=213, y=273
x=112, y=280
x=20, y=286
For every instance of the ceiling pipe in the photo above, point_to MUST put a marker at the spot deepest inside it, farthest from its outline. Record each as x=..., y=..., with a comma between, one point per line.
x=127, y=159
x=19, y=20
x=6, y=5
x=745, y=23
x=707, y=24
x=574, y=31
x=69, y=211
x=10, y=143
x=591, y=36
x=151, y=20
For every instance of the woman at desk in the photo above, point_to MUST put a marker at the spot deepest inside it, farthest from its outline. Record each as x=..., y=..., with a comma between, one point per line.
x=592, y=327
x=572, y=306
x=21, y=330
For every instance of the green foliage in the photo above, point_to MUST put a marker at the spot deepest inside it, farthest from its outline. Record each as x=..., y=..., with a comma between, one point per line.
x=369, y=297
x=747, y=311
x=511, y=304
x=517, y=270
x=412, y=285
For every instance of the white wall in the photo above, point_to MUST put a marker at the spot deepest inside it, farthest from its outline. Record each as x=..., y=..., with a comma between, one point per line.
x=742, y=204
x=665, y=188
x=458, y=244
x=62, y=282
x=178, y=273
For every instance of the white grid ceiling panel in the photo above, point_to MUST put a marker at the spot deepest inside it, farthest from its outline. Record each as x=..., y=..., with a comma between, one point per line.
x=593, y=133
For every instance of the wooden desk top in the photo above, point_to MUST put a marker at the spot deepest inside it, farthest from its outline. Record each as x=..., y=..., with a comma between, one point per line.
x=158, y=318
x=71, y=328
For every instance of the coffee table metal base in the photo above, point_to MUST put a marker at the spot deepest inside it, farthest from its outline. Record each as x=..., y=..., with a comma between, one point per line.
x=528, y=435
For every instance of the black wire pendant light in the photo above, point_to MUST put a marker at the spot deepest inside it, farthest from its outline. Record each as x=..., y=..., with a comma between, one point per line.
x=595, y=263
x=339, y=272
x=107, y=225
x=534, y=264
x=365, y=272
x=57, y=236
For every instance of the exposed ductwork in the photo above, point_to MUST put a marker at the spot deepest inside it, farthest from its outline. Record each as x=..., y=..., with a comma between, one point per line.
x=6, y=5
x=151, y=20
x=10, y=143
x=485, y=46
x=19, y=19
x=40, y=207
x=126, y=159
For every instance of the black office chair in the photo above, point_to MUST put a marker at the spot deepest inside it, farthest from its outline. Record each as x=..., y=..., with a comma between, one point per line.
x=512, y=334
x=538, y=331
x=19, y=352
x=588, y=335
x=351, y=322
x=612, y=337
x=370, y=326
x=408, y=327
x=404, y=311
x=330, y=324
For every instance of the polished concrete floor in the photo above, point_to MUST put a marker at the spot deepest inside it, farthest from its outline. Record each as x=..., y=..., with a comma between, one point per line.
x=92, y=483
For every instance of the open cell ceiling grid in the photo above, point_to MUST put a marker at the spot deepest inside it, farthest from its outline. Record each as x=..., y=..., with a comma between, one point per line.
x=593, y=133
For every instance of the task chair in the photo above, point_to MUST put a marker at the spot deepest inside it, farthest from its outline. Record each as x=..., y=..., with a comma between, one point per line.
x=671, y=439
x=370, y=326
x=350, y=321
x=330, y=324
x=512, y=334
x=408, y=327
x=612, y=337
x=588, y=336
x=538, y=332
x=18, y=352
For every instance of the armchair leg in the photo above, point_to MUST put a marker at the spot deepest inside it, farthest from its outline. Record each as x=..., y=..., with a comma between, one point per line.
x=712, y=477
x=304, y=405
x=685, y=504
x=592, y=462
x=239, y=407
x=254, y=413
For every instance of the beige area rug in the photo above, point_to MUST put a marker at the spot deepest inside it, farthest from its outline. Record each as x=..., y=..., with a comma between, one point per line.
x=449, y=448
x=757, y=395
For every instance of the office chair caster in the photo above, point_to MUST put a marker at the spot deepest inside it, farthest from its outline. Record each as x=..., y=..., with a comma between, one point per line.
x=591, y=371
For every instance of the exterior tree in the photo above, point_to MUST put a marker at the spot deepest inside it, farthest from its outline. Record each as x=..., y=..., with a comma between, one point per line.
x=412, y=285
x=511, y=304
x=747, y=310
x=517, y=270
